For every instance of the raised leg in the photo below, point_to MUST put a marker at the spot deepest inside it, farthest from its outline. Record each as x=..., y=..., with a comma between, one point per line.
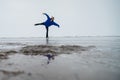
x=39, y=24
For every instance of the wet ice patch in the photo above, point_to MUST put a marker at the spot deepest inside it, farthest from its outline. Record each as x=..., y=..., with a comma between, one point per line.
x=62, y=49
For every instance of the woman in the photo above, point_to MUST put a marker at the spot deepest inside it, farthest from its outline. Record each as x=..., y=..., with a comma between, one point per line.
x=49, y=22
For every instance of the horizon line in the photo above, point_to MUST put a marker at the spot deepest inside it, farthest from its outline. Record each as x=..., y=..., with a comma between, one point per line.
x=57, y=36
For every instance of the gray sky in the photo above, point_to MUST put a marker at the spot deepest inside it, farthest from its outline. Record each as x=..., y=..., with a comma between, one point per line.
x=76, y=17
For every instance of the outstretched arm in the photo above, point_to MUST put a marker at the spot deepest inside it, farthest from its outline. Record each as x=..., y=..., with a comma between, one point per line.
x=46, y=15
x=56, y=24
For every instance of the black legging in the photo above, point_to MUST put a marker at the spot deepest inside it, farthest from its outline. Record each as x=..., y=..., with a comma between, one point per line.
x=47, y=29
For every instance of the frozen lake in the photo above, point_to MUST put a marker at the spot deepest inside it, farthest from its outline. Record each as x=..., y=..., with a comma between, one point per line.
x=102, y=62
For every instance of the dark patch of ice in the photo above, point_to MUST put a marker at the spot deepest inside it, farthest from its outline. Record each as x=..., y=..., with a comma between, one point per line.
x=62, y=49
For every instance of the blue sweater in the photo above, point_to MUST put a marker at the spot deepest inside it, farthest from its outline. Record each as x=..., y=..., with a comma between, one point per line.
x=48, y=22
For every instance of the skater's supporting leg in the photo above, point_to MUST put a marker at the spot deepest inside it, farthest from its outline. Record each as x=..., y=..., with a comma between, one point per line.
x=47, y=29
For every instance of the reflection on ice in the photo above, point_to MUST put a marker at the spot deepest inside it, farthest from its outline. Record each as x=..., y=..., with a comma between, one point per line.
x=50, y=57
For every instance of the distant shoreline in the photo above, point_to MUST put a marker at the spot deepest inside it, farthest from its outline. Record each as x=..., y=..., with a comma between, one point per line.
x=60, y=37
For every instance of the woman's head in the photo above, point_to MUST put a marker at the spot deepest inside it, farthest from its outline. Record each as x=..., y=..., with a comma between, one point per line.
x=52, y=18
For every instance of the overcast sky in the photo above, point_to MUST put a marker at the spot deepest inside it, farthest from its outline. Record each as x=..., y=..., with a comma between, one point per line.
x=75, y=17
